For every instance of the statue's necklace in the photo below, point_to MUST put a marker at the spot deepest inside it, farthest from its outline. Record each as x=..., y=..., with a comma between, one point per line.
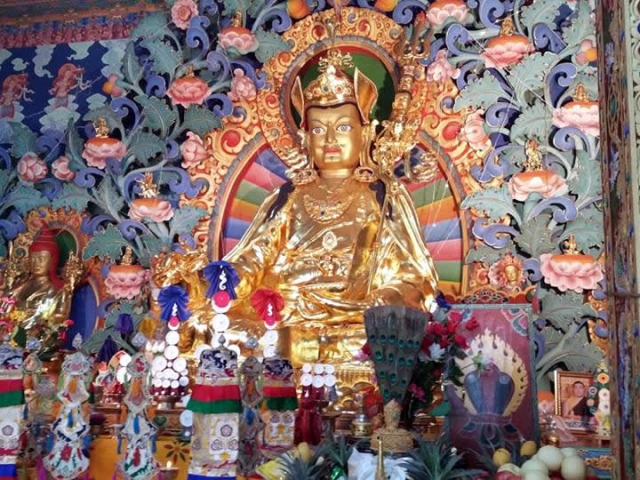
x=328, y=210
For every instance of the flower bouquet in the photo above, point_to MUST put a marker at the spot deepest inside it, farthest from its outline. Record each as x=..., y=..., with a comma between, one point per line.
x=444, y=342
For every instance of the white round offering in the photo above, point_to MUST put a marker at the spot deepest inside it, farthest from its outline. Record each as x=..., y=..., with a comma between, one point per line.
x=220, y=322
x=183, y=381
x=179, y=364
x=171, y=352
x=306, y=379
x=270, y=337
x=125, y=360
x=173, y=337
x=186, y=418
x=269, y=351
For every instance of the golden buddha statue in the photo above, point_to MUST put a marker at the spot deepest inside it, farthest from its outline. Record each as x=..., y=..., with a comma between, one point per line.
x=340, y=237
x=41, y=298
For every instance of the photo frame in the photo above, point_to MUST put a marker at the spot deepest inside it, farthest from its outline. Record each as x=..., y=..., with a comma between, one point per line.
x=572, y=400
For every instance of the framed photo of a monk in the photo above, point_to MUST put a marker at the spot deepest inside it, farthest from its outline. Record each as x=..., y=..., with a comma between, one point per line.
x=572, y=400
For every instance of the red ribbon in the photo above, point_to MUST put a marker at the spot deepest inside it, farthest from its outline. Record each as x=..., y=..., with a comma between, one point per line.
x=268, y=304
x=210, y=393
x=279, y=392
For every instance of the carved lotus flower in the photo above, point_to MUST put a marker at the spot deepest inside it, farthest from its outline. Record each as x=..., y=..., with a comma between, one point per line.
x=154, y=209
x=571, y=270
x=188, y=90
x=102, y=147
x=237, y=37
x=581, y=113
x=441, y=10
x=32, y=168
x=508, y=48
x=545, y=182
x=125, y=281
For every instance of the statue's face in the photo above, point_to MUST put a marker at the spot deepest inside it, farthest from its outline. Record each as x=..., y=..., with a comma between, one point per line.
x=335, y=136
x=40, y=263
x=511, y=273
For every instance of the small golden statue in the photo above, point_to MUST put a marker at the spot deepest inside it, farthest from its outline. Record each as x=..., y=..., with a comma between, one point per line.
x=40, y=298
x=343, y=235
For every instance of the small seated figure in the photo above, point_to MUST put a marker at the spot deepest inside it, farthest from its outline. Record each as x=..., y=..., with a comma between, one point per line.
x=42, y=300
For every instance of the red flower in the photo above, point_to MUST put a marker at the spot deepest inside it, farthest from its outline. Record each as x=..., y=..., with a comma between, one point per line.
x=439, y=329
x=461, y=341
x=427, y=341
x=66, y=453
x=472, y=324
x=444, y=342
x=68, y=323
x=417, y=391
x=454, y=321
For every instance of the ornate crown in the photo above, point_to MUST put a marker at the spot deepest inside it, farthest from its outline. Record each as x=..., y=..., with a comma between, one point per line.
x=335, y=87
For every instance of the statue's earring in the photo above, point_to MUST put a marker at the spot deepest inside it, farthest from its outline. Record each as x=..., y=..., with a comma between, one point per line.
x=307, y=174
x=364, y=173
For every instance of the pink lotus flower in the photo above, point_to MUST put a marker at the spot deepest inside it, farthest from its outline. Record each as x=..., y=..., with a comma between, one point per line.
x=473, y=132
x=441, y=69
x=154, y=209
x=98, y=149
x=582, y=115
x=61, y=169
x=182, y=12
x=545, y=182
x=188, y=90
x=242, y=88
x=441, y=10
x=193, y=151
x=575, y=272
x=126, y=281
x=506, y=50
x=238, y=38
x=32, y=169
x=587, y=54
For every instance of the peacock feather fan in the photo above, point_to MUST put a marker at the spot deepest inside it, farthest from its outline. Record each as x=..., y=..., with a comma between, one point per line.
x=394, y=335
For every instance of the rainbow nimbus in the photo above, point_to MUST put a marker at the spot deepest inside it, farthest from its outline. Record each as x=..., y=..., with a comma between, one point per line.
x=438, y=213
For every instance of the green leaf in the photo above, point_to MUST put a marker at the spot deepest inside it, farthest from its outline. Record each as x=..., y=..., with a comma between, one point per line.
x=24, y=199
x=157, y=114
x=145, y=145
x=513, y=156
x=96, y=340
x=200, y=121
x=581, y=25
x=108, y=197
x=482, y=93
x=131, y=68
x=270, y=44
x=233, y=6
x=74, y=146
x=3, y=247
x=152, y=247
x=254, y=8
x=540, y=12
x=165, y=58
x=528, y=75
x=587, y=233
x=185, y=219
x=496, y=203
x=534, y=237
x=24, y=140
x=6, y=177
x=577, y=353
x=108, y=243
x=73, y=197
x=534, y=122
x=585, y=180
x=562, y=309
x=154, y=25
x=487, y=254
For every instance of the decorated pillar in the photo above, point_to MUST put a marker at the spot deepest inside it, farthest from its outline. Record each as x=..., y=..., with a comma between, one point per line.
x=617, y=38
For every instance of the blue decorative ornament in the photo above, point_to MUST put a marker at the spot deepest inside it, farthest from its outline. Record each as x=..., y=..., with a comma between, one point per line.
x=174, y=300
x=222, y=277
